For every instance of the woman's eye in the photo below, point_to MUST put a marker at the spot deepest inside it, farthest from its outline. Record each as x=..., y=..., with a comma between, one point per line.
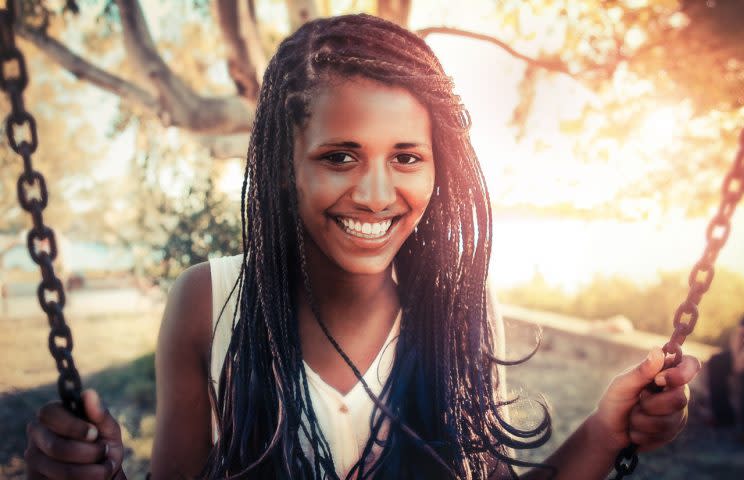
x=339, y=158
x=407, y=159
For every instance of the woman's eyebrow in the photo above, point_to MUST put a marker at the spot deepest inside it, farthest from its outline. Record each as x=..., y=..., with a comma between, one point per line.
x=405, y=145
x=341, y=145
x=355, y=145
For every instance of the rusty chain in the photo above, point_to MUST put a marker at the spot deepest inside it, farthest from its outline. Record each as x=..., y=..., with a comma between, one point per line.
x=33, y=197
x=699, y=281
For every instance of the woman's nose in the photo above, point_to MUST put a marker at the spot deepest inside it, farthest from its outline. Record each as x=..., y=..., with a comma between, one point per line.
x=375, y=189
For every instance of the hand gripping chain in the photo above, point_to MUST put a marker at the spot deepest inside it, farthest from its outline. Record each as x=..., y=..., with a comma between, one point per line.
x=700, y=279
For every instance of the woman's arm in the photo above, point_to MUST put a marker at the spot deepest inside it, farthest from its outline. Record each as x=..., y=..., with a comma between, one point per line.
x=627, y=412
x=182, y=435
x=582, y=456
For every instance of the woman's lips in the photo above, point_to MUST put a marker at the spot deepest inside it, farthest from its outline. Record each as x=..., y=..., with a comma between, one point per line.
x=362, y=240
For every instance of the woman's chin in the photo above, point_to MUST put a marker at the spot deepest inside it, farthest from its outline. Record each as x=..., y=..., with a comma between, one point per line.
x=365, y=268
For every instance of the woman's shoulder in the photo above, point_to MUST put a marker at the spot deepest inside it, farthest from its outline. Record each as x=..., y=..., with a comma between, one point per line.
x=188, y=313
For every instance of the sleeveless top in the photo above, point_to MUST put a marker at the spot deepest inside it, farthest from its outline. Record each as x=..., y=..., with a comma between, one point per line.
x=344, y=419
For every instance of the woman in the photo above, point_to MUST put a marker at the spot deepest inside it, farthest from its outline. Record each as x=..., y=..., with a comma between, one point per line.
x=366, y=235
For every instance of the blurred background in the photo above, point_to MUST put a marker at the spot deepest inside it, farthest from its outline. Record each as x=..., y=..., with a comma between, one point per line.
x=604, y=128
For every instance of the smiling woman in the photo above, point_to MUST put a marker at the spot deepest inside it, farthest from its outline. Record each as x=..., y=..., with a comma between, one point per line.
x=351, y=339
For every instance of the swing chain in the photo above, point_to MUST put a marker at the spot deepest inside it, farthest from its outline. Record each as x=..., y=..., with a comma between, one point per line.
x=33, y=198
x=699, y=281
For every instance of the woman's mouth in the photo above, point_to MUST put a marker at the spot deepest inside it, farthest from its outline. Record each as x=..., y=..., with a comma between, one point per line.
x=365, y=230
x=366, y=235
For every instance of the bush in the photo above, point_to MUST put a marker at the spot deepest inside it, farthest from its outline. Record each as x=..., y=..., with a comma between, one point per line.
x=651, y=308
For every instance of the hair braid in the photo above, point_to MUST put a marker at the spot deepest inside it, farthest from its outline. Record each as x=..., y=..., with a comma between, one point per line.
x=439, y=400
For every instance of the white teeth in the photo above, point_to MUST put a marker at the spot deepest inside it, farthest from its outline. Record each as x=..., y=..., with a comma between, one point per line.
x=365, y=230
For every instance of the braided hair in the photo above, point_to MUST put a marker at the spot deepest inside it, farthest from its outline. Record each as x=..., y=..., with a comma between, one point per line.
x=445, y=417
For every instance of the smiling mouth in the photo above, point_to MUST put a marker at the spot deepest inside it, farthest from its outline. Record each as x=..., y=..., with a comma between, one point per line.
x=366, y=230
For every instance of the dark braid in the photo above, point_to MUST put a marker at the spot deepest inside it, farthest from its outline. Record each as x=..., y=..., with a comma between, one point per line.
x=440, y=401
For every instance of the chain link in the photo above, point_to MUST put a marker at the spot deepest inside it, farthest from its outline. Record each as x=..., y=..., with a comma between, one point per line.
x=33, y=198
x=699, y=281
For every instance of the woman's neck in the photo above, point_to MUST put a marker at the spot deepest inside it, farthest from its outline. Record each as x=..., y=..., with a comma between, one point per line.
x=346, y=300
x=358, y=310
x=341, y=295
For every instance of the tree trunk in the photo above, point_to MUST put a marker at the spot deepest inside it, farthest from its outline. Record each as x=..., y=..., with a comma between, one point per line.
x=396, y=11
x=300, y=12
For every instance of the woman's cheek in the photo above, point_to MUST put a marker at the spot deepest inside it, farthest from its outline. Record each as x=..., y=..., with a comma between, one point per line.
x=321, y=189
x=419, y=194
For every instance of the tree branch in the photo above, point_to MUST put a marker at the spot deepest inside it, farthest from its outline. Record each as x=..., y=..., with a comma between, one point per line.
x=396, y=11
x=252, y=38
x=226, y=146
x=181, y=105
x=85, y=70
x=553, y=65
x=245, y=57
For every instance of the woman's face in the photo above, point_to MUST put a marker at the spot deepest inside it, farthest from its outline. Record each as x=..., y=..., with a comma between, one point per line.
x=364, y=170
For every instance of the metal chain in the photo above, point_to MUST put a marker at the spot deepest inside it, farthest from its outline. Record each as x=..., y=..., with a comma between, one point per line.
x=33, y=197
x=699, y=281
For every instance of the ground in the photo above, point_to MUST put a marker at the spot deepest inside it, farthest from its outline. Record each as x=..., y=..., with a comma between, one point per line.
x=114, y=354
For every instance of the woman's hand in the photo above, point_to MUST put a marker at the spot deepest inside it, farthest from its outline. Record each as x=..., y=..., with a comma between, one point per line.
x=628, y=412
x=63, y=446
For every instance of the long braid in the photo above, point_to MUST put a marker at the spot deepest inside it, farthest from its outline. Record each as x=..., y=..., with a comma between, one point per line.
x=440, y=402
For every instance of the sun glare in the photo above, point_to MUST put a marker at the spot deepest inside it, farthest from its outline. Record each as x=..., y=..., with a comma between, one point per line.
x=541, y=170
x=660, y=127
x=231, y=177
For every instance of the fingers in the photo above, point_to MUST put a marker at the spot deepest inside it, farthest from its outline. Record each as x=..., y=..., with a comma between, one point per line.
x=650, y=431
x=45, y=467
x=60, y=445
x=108, y=427
x=649, y=367
x=60, y=421
x=658, y=417
x=628, y=384
x=661, y=425
x=679, y=375
x=93, y=406
x=64, y=449
x=666, y=402
x=116, y=457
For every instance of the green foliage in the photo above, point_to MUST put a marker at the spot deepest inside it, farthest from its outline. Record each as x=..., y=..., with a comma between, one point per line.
x=651, y=308
x=206, y=226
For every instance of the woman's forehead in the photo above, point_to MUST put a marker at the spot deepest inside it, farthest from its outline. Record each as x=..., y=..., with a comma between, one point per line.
x=367, y=109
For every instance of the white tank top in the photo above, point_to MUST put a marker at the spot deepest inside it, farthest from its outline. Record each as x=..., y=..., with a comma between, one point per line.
x=344, y=419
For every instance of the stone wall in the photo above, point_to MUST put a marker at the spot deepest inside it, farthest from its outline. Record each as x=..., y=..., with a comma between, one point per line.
x=612, y=342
